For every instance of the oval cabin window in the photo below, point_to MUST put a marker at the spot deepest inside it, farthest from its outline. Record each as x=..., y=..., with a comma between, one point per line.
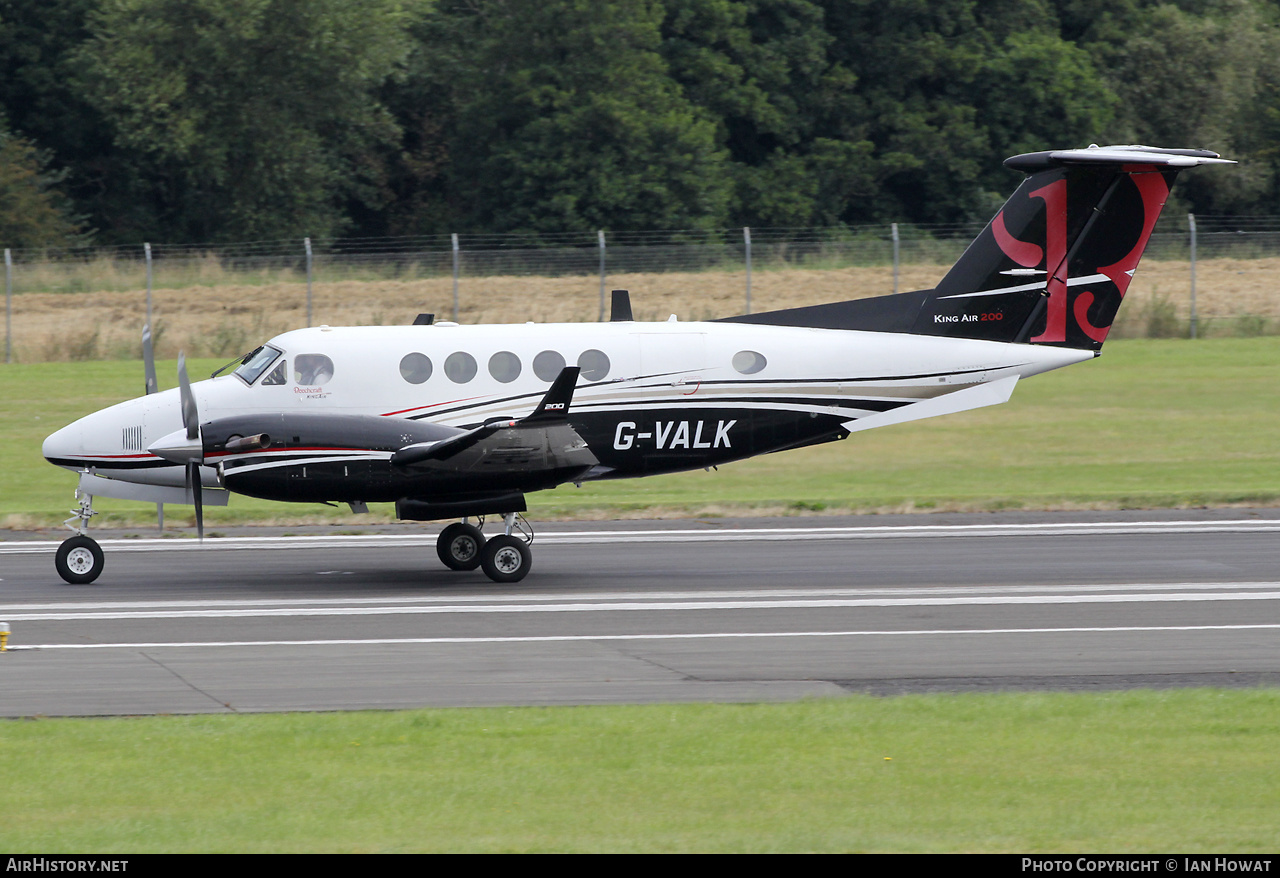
x=415, y=368
x=504, y=366
x=547, y=365
x=460, y=367
x=594, y=364
x=749, y=362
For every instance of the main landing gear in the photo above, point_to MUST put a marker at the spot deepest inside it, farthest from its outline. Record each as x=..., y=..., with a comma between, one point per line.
x=79, y=559
x=505, y=558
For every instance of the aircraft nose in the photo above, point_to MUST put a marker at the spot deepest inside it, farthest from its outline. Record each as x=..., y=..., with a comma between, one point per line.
x=59, y=448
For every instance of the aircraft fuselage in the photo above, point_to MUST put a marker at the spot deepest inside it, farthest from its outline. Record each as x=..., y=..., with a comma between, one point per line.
x=651, y=398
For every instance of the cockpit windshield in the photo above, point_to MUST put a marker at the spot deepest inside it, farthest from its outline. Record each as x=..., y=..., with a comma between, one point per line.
x=255, y=363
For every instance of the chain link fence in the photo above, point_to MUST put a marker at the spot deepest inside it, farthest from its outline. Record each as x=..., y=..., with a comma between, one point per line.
x=1207, y=274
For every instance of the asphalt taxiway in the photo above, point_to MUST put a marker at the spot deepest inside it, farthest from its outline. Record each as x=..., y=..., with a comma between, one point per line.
x=713, y=610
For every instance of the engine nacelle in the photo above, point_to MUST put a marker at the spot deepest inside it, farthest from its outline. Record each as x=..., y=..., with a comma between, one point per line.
x=315, y=458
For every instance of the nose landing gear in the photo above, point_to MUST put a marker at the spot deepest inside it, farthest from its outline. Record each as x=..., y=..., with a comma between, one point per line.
x=79, y=559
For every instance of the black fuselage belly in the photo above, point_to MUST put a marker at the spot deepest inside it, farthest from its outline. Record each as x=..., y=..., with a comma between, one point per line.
x=637, y=443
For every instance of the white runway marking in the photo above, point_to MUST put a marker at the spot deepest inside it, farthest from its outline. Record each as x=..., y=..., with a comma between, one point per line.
x=491, y=597
x=606, y=603
x=587, y=638
x=707, y=535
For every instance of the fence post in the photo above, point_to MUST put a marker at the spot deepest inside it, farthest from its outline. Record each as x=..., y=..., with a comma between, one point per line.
x=8, y=306
x=456, y=256
x=746, y=240
x=600, y=235
x=306, y=243
x=893, y=231
x=146, y=248
x=1191, y=224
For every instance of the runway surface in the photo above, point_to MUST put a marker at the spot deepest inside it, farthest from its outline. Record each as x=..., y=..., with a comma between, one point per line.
x=629, y=612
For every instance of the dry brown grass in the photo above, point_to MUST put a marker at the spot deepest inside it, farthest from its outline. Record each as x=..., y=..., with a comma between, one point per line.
x=1235, y=296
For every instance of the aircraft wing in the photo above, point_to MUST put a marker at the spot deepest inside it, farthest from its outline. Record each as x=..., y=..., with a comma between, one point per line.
x=542, y=441
x=443, y=449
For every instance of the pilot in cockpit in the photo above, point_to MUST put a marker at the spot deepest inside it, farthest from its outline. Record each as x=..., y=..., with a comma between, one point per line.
x=312, y=369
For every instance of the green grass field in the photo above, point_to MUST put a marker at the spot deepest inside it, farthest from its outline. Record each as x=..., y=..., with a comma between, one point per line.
x=1152, y=423
x=1186, y=771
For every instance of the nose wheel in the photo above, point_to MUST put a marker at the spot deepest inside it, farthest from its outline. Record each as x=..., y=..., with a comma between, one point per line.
x=79, y=560
x=505, y=558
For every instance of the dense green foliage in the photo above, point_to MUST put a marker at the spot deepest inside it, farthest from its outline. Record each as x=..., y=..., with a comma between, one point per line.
x=219, y=120
x=32, y=212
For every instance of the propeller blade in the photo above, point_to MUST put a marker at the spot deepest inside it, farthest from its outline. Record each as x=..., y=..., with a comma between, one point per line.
x=190, y=416
x=193, y=482
x=149, y=359
x=191, y=420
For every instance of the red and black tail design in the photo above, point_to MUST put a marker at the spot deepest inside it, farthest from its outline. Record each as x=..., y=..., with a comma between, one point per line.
x=1050, y=268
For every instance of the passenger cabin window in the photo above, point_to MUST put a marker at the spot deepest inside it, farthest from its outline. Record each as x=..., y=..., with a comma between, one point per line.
x=415, y=368
x=312, y=369
x=277, y=376
x=594, y=365
x=749, y=362
x=547, y=365
x=504, y=366
x=256, y=363
x=460, y=367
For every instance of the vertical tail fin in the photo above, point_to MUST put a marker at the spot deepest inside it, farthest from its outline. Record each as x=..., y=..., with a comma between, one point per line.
x=1059, y=256
x=1050, y=268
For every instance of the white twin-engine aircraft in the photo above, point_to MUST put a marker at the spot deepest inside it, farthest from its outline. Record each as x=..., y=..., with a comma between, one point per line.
x=451, y=421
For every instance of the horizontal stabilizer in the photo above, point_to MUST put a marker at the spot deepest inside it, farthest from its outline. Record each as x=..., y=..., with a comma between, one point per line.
x=1115, y=155
x=979, y=396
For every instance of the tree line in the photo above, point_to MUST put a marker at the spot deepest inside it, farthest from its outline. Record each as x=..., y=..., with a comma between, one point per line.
x=192, y=121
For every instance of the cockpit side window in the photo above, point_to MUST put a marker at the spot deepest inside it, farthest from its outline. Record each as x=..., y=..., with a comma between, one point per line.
x=312, y=369
x=277, y=376
x=256, y=363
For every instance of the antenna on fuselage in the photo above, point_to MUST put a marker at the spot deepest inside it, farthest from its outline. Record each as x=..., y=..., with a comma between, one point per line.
x=621, y=309
x=424, y=320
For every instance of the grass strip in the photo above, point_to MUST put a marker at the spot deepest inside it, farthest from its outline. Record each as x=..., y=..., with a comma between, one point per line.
x=1139, y=771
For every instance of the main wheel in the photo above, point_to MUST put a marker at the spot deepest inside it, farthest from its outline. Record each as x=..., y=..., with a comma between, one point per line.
x=506, y=559
x=79, y=560
x=459, y=546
